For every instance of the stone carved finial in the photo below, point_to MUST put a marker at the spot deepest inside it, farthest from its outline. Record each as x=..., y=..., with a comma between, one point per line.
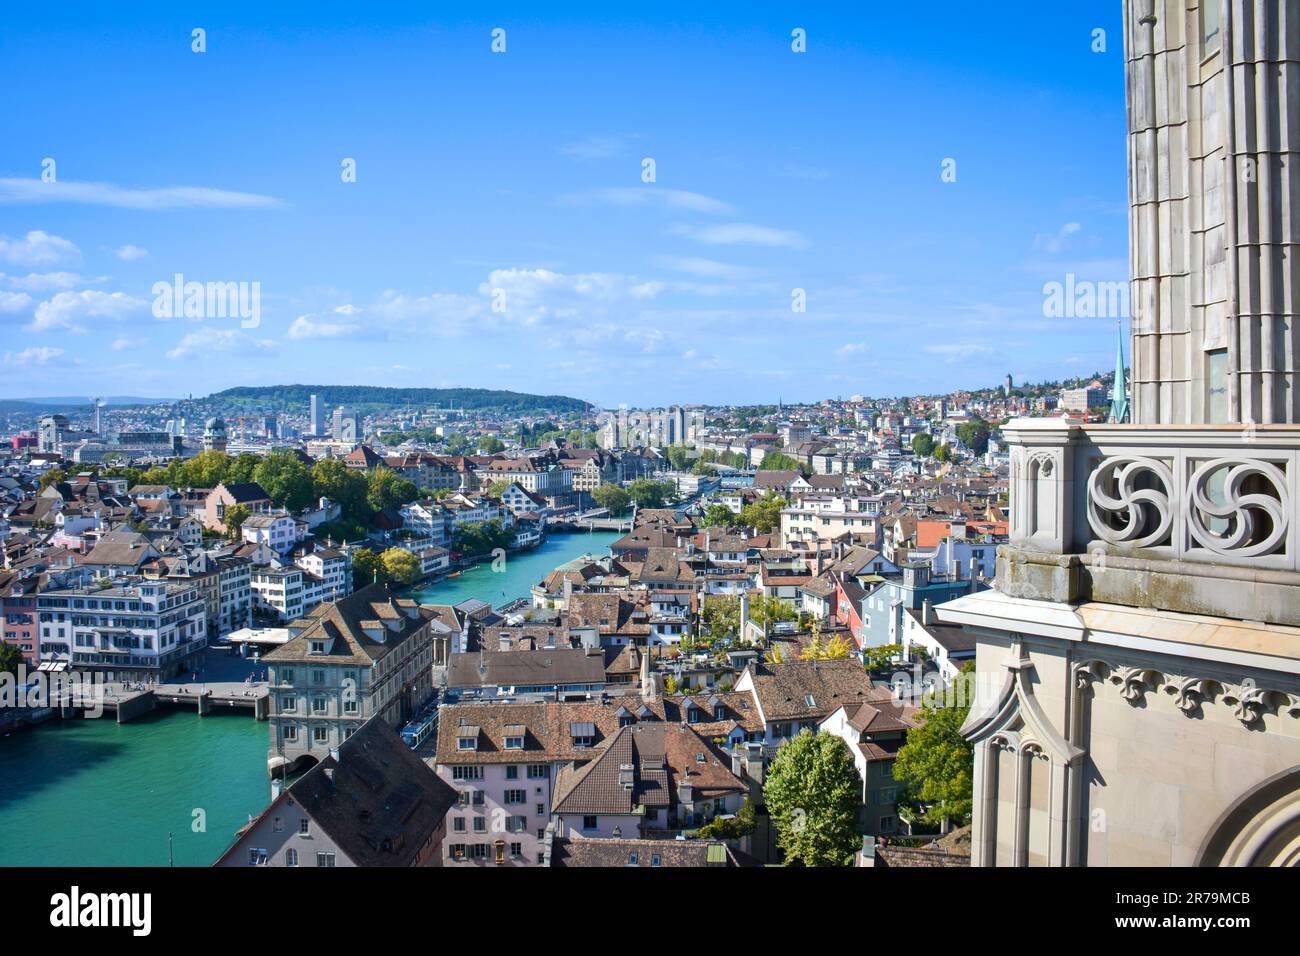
x=1247, y=701
x=1190, y=692
x=1134, y=682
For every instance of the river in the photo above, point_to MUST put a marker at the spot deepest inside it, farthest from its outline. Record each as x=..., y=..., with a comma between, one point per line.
x=98, y=793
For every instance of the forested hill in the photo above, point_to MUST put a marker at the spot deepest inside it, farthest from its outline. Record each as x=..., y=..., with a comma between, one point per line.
x=374, y=397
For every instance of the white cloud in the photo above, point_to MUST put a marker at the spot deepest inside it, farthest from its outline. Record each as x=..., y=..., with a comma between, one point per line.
x=44, y=281
x=1057, y=243
x=706, y=268
x=953, y=351
x=850, y=348
x=38, y=355
x=313, y=327
x=597, y=147
x=130, y=253
x=743, y=233
x=533, y=296
x=439, y=313
x=11, y=302
x=219, y=340
x=651, y=195
x=27, y=191
x=70, y=310
x=38, y=248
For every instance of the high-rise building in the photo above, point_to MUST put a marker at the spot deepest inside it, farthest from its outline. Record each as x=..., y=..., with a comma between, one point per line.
x=317, y=426
x=1138, y=664
x=347, y=425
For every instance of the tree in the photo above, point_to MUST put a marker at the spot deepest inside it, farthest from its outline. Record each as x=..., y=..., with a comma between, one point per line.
x=490, y=445
x=741, y=825
x=837, y=648
x=923, y=444
x=813, y=793
x=345, y=486
x=937, y=764
x=482, y=537
x=974, y=434
x=779, y=462
x=52, y=477
x=721, y=616
x=234, y=521
x=498, y=487
x=764, y=515
x=678, y=456
x=611, y=497
x=384, y=489
x=287, y=479
x=943, y=453
x=10, y=658
x=367, y=568
x=400, y=565
x=882, y=655
x=648, y=493
x=720, y=516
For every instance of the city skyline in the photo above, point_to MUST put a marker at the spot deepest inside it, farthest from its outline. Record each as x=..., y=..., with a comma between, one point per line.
x=471, y=193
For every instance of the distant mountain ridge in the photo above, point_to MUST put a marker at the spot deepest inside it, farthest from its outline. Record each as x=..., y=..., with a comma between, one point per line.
x=365, y=397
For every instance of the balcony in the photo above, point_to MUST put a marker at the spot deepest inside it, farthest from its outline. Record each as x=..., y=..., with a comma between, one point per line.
x=1188, y=518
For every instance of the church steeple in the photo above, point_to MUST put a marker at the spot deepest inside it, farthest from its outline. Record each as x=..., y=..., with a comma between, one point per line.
x=1119, y=411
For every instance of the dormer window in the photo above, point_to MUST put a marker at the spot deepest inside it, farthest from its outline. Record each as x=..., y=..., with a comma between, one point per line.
x=692, y=715
x=514, y=743
x=583, y=734
x=316, y=647
x=467, y=738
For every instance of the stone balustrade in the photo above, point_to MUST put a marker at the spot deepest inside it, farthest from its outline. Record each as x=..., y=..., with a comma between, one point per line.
x=1199, y=519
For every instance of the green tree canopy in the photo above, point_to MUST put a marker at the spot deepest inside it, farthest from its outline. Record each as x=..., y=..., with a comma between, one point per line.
x=974, y=434
x=648, y=493
x=400, y=565
x=937, y=765
x=287, y=479
x=813, y=793
x=720, y=516
x=234, y=521
x=490, y=445
x=384, y=489
x=10, y=658
x=763, y=515
x=612, y=497
x=923, y=444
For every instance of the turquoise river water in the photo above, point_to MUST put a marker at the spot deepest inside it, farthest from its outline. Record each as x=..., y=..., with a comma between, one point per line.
x=96, y=793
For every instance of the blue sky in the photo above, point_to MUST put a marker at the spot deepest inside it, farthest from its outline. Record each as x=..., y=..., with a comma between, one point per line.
x=515, y=180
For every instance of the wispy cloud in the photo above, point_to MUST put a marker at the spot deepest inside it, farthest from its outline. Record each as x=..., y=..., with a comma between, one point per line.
x=598, y=147
x=219, y=340
x=743, y=234
x=30, y=191
x=1053, y=244
x=38, y=249
x=130, y=253
x=37, y=355
x=706, y=268
x=650, y=195
x=955, y=351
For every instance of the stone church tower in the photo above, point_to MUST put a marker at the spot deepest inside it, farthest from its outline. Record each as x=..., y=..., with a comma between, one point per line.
x=1138, y=692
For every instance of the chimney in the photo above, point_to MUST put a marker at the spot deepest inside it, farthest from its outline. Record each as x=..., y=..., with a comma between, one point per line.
x=925, y=612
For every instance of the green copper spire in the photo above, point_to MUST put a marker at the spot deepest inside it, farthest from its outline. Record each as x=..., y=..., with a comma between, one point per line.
x=1119, y=401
